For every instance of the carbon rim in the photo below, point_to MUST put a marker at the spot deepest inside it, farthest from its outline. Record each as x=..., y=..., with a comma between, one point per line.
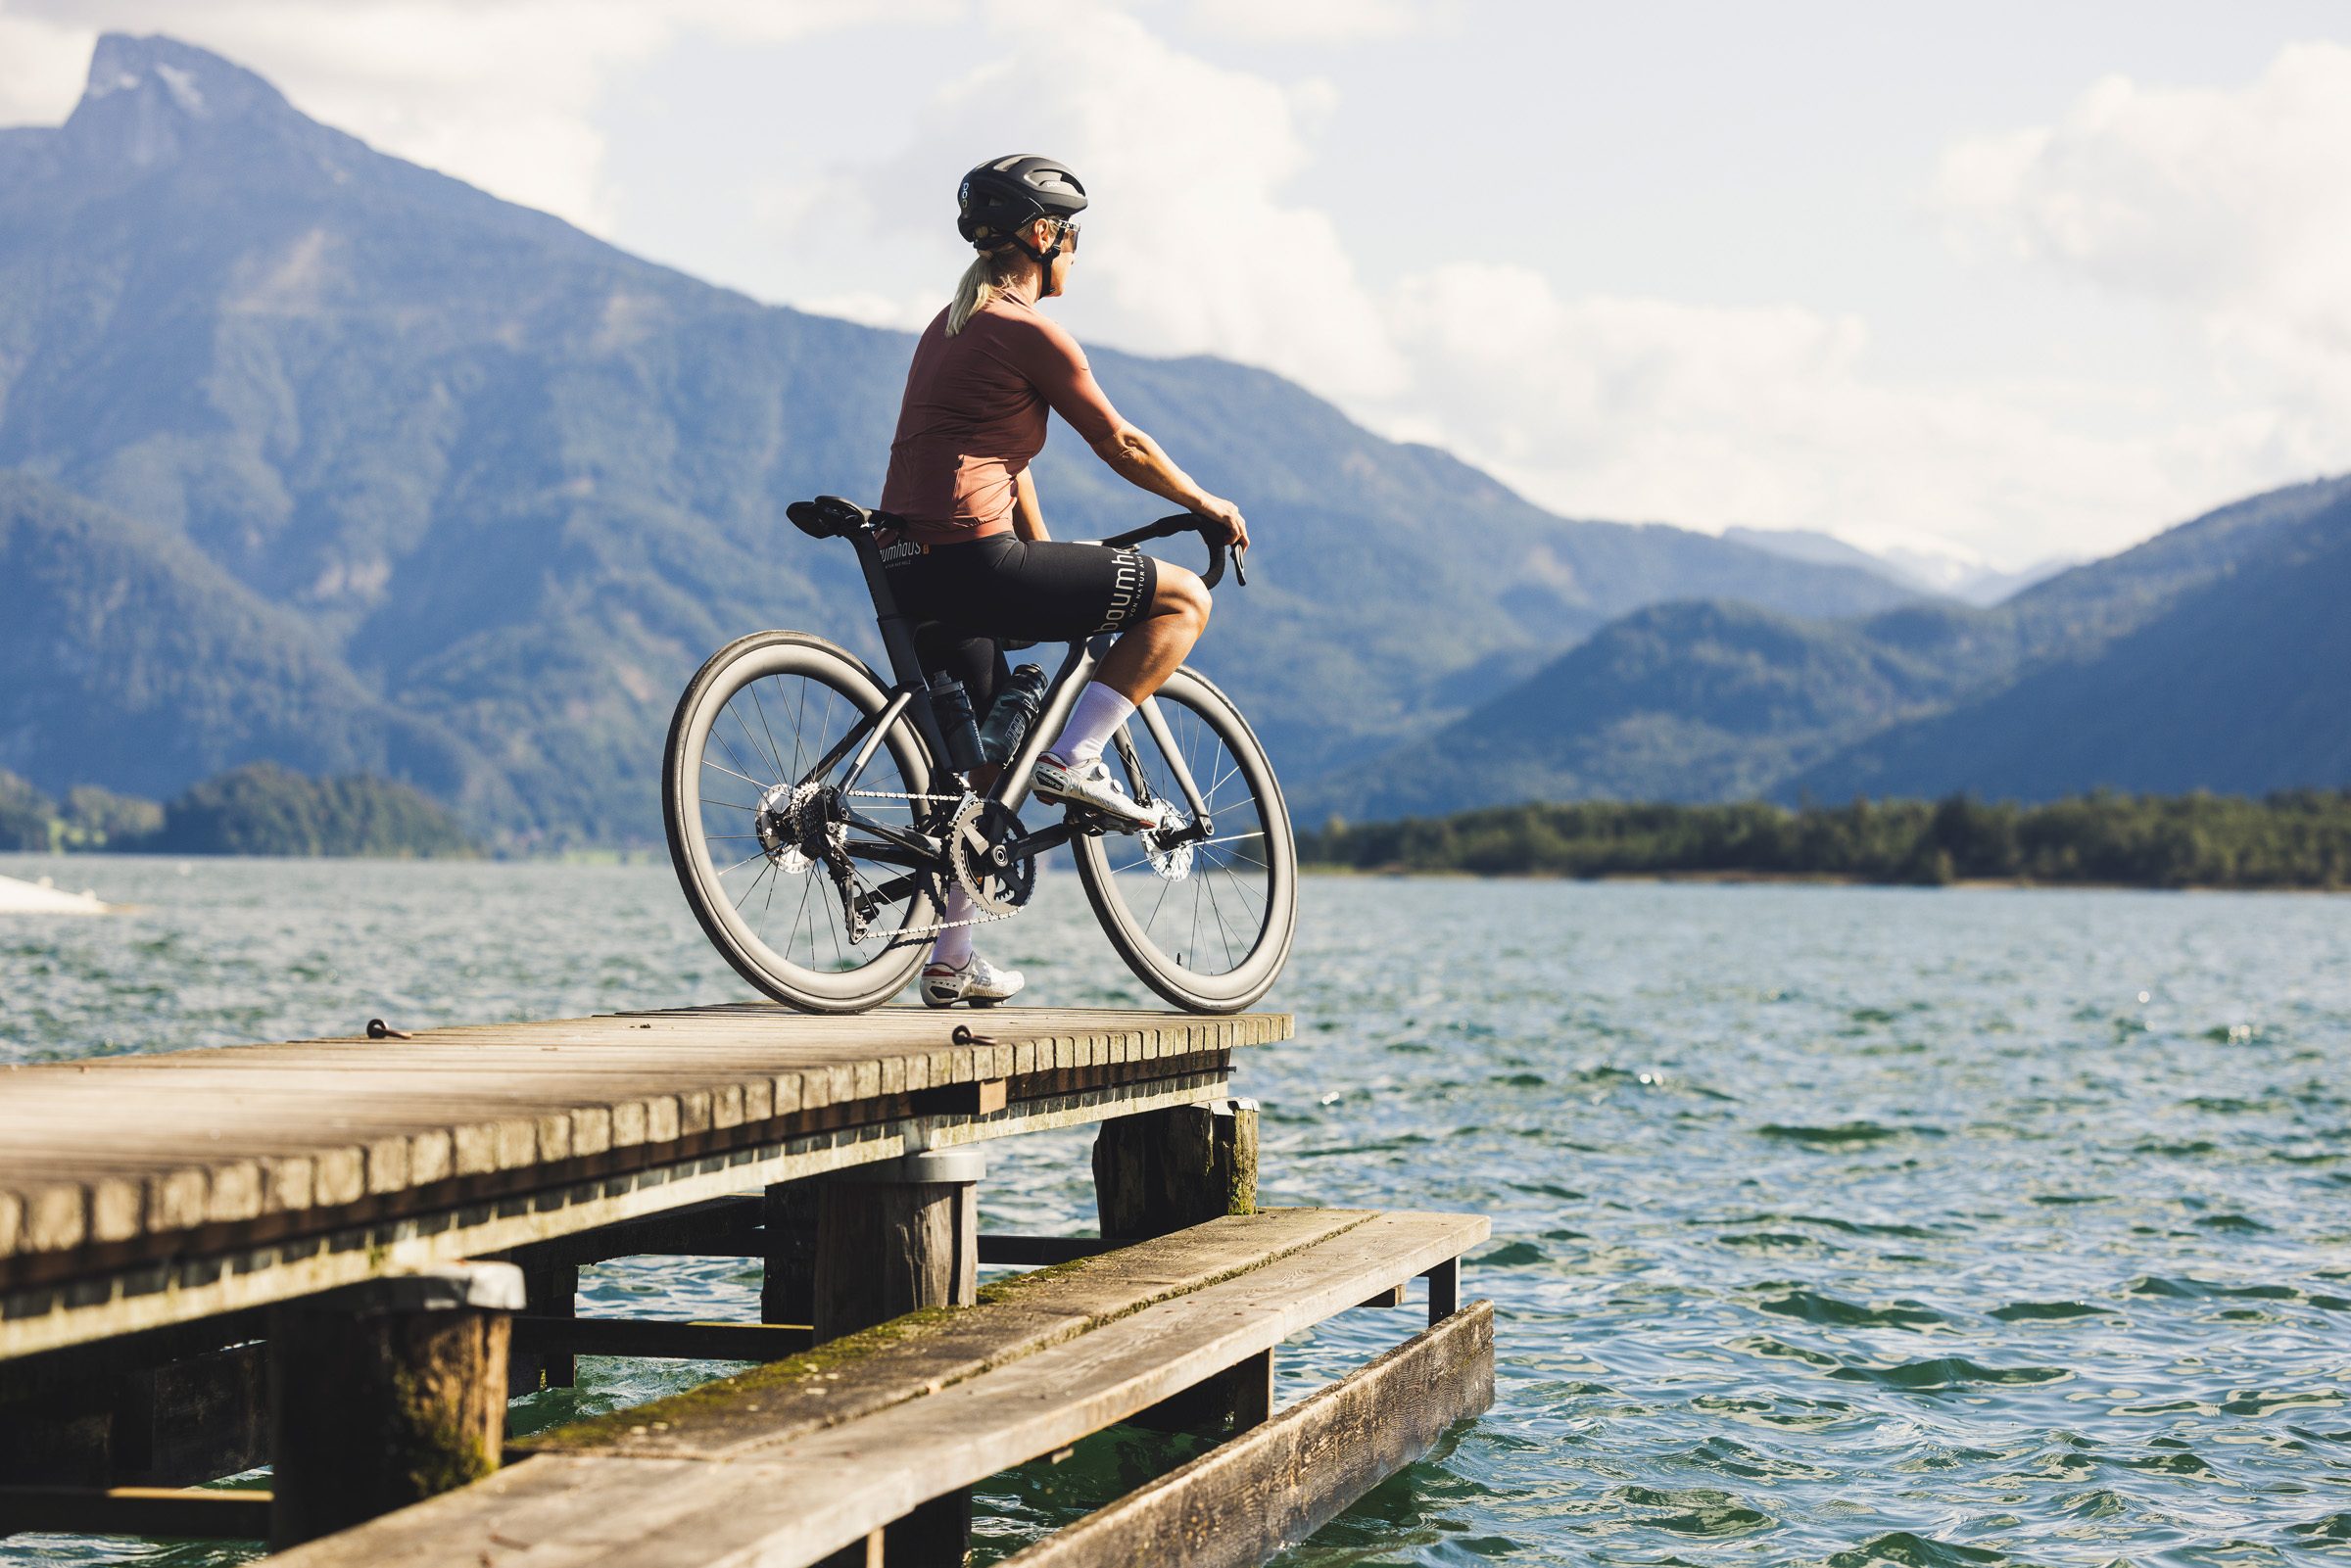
x=1205, y=922
x=751, y=828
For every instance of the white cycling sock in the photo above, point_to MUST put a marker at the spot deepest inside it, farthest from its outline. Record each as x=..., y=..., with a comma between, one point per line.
x=1093, y=719
x=954, y=946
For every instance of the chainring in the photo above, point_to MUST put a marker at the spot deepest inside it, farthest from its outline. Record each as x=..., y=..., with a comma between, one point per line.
x=980, y=853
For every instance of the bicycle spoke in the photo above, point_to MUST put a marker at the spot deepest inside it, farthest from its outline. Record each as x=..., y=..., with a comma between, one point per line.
x=753, y=782
x=1223, y=935
x=784, y=719
x=774, y=751
x=755, y=887
x=751, y=739
x=1217, y=925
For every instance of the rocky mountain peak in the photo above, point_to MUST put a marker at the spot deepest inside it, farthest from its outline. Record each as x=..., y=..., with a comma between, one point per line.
x=146, y=97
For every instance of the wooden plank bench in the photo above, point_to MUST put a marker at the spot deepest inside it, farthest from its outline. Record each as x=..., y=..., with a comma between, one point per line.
x=795, y=1461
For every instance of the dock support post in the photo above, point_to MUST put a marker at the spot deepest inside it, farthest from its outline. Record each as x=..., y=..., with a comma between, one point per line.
x=1167, y=1170
x=386, y=1394
x=550, y=1289
x=893, y=1238
x=1444, y=1291
x=788, y=1218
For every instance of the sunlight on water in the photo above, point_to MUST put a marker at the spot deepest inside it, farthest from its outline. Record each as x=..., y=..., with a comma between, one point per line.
x=1831, y=1224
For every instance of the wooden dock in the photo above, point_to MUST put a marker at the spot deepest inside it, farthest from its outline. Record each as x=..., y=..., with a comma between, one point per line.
x=340, y=1257
x=136, y=1192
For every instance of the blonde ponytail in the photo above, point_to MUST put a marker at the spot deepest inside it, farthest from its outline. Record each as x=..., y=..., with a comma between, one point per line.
x=982, y=282
x=978, y=286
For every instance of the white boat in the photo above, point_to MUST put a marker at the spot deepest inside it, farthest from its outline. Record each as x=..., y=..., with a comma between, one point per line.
x=45, y=898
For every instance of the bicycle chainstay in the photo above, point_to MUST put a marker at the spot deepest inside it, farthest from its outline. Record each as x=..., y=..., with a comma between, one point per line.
x=844, y=876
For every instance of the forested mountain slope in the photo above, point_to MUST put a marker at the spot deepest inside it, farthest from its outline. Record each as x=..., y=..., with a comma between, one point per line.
x=2240, y=684
x=131, y=658
x=2212, y=656
x=517, y=483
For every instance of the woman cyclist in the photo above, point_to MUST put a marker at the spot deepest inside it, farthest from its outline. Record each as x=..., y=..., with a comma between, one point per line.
x=966, y=546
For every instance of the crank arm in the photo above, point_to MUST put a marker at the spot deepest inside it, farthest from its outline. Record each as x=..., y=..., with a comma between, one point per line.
x=1031, y=845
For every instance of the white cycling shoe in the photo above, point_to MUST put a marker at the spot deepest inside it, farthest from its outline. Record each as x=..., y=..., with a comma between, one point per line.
x=1090, y=787
x=978, y=982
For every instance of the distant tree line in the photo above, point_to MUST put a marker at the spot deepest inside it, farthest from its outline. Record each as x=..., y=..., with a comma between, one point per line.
x=2300, y=839
x=258, y=809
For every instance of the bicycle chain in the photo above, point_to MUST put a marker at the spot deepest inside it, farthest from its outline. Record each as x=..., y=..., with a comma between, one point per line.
x=907, y=935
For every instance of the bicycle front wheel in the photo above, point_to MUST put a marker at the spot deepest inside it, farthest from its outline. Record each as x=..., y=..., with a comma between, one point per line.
x=766, y=827
x=1204, y=921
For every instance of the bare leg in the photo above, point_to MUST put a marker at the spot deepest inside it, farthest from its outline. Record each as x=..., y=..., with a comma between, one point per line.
x=1148, y=652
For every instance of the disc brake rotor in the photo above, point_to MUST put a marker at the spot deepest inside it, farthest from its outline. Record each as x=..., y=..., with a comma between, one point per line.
x=978, y=849
x=793, y=827
x=1172, y=863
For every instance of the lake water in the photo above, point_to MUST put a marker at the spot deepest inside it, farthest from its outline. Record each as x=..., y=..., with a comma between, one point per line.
x=1840, y=1225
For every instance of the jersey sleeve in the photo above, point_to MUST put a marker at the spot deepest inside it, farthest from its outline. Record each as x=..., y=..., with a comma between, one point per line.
x=1056, y=366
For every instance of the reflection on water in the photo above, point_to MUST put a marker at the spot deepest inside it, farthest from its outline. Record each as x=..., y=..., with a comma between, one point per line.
x=1837, y=1225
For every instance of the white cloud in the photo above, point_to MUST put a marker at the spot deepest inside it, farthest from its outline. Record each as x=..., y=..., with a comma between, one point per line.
x=1603, y=407
x=501, y=93
x=1766, y=416
x=1190, y=247
x=41, y=67
x=2232, y=207
x=1312, y=21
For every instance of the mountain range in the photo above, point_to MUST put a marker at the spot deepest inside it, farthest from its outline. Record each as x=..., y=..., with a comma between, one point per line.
x=482, y=491
x=313, y=455
x=1937, y=573
x=2213, y=656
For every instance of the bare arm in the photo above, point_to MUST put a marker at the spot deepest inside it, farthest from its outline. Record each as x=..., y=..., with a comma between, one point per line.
x=1028, y=518
x=1136, y=459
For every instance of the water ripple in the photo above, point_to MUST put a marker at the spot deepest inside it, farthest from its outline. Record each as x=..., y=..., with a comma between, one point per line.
x=1832, y=1225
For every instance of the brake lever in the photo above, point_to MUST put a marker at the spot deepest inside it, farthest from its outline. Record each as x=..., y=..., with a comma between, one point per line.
x=1240, y=566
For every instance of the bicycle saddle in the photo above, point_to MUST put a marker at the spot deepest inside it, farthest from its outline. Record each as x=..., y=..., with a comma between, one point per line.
x=829, y=517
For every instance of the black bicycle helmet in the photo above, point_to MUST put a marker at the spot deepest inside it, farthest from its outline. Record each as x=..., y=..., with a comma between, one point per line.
x=1004, y=195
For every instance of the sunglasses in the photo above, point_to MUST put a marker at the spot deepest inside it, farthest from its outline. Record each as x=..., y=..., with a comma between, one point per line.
x=1069, y=239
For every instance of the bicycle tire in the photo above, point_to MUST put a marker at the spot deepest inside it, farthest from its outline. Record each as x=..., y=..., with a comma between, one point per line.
x=1252, y=973
x=728, y=672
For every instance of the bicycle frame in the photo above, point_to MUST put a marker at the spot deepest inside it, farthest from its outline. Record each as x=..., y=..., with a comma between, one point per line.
x=910, y=699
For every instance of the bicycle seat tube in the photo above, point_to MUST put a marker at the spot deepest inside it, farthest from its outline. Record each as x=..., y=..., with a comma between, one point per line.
x=897, y=640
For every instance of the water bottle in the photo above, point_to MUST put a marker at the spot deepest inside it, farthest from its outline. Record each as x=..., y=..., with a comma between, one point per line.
x=951, y=706
x=1013, y=712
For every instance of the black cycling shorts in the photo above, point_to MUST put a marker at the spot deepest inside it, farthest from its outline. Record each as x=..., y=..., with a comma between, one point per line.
x=1003, y=585
x=966, y=599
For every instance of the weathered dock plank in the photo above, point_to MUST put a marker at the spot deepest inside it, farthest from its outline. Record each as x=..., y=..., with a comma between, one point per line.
x=921, y=1357
x=1244, y=1501
x=761, y=1469
x=142, y=1191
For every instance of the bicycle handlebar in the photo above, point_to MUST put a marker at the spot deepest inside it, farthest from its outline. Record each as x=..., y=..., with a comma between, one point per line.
x=1189, y=523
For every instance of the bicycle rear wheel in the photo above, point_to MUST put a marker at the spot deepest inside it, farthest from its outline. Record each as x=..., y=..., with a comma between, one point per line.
x=760, y=836
x=1205, y=923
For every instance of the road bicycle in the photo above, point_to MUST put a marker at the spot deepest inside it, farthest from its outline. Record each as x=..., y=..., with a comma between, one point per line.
x=816, y=816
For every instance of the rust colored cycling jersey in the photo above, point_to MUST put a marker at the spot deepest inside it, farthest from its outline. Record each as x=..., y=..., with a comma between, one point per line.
x=974, y=416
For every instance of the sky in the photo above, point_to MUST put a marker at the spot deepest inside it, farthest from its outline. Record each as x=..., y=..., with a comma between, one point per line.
x=2004, y=282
